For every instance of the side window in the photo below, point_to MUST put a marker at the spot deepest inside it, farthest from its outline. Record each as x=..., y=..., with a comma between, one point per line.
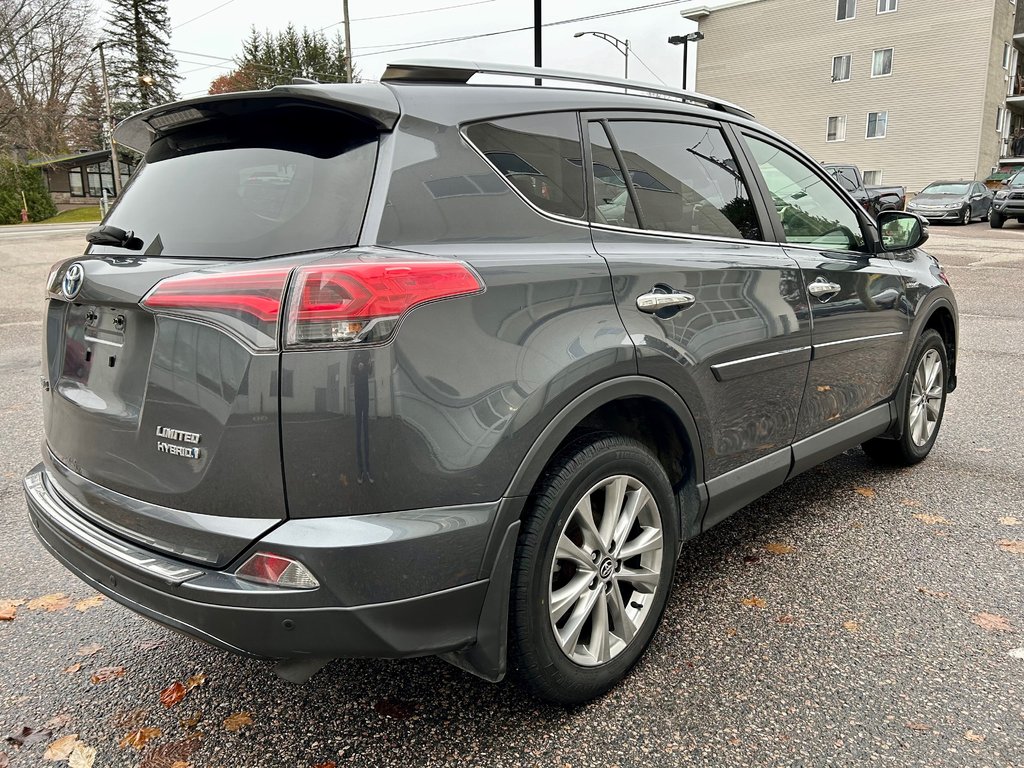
x=812, y=213
x=686, y=179
x=540, y=155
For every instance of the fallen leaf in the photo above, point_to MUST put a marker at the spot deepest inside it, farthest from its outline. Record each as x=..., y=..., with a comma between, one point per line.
x=82, y=757
x=927, y=519
x=930, y=593
x=1007, y=545
x=754, y=602
x=779, y=549
x=89, y=650
x=73, y=668
x=1009, y=521
x=129, y=721
x=106, y=674
x=195, y=681
x=910, y=502
x=58, y=601
x=328, y=764
x=25, y=736
x=57, y=722
x=731, y=632
x=918, y=726
x=174, y=754
x=192, y=720
x=152, y=644
x=138, y=739
x=993, y=622
x=9, y=609
x=61, y=749
x=1017, y=653
x=851, y=626
x=972, y=736
x=786, y=618
x=90, y=602
x=825, y=388
x=867, y=493
x=172, y=694
x=4, y=760
x=237, y=721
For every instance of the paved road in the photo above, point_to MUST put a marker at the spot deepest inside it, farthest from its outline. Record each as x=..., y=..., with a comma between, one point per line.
x=866, y=648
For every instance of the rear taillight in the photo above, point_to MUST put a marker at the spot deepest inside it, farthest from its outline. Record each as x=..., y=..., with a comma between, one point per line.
x=327, y=304
x=362, y=302
x=280, y=571
x=246, y=302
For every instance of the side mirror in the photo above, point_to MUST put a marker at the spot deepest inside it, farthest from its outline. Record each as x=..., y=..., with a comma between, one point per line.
x=901, y=231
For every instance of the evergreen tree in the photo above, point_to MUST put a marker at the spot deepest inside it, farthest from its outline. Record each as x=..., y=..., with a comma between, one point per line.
x=86, y=129
x=270, y=59
x=142, y=71
x=16, y=179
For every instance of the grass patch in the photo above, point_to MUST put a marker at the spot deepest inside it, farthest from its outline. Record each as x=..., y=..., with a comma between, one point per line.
x=75, y=215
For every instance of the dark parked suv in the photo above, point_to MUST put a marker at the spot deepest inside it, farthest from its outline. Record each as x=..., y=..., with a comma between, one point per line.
x=426, y=367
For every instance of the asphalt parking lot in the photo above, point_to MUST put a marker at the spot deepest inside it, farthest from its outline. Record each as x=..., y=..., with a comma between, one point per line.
x=855, y=615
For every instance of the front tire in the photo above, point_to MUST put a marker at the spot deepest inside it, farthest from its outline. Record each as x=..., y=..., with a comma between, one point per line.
x=922, y=406
x=965, y=215
x=996, y=220
x=594, y=567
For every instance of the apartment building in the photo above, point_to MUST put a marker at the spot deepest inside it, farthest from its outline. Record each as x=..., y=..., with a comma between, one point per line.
x=910, y=90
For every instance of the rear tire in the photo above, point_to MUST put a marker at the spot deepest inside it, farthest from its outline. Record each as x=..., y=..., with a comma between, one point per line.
x=995, y=220
x=583, y=608
x=922, y=406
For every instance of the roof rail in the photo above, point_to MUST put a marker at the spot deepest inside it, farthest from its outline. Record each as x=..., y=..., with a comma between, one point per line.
x=455, y=71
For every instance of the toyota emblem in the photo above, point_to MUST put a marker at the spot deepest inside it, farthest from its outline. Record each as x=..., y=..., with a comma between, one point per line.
x=73, y=280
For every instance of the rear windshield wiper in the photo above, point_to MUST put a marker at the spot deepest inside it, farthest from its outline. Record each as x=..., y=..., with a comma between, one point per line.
x=115, y=236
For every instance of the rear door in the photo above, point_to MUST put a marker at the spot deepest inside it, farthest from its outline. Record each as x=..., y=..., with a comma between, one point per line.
x=673, y=215
x=858, y=301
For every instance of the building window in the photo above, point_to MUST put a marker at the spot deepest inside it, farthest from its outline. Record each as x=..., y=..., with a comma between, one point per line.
x=1007, y=50
x=877, y=124
x=886, y=6
x=836, y=130
x=75, y=177
x=881, y=63
x=841, y=67
x=846, y=9
x=872, y=178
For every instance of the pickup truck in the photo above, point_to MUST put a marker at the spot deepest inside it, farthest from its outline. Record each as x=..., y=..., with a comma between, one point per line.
x=873, y=199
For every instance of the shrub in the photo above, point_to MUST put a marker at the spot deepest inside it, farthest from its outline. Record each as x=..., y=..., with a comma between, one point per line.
x=15, y=179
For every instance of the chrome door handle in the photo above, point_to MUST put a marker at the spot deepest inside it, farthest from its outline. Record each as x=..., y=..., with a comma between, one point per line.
x=823, y=289
x=652, y=302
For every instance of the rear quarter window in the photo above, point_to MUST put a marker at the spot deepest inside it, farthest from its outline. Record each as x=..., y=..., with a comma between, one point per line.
x=539, y=155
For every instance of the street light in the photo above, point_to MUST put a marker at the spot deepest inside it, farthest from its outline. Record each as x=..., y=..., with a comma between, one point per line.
x=622, y=46
x=685, y=40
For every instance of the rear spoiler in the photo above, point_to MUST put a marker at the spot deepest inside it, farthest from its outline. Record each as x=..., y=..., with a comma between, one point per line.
x=370, y=102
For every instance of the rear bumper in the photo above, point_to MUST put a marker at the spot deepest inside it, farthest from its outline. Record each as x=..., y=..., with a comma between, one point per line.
x=261, y=621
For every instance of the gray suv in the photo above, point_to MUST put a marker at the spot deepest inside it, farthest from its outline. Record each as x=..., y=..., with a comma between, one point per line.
x=431, y=367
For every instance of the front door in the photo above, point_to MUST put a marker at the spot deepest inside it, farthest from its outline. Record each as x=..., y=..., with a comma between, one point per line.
x=858, y=302
x=715, y=312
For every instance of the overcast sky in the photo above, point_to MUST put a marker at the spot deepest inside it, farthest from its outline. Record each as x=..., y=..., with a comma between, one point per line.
x=219, y=33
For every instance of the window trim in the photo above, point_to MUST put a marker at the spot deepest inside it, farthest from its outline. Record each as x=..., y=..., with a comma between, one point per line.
x=867, y=125
x=835, y=141
x=892, y=61
x=896, y=7
x=849, y=68
x=870, y=239
x=846, y=18
x=1007, y=55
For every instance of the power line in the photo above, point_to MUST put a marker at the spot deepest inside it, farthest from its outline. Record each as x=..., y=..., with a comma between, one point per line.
x=644, y=63
x=409, y=13
x=205, y=13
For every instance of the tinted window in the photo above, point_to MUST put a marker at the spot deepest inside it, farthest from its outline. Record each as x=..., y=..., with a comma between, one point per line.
x=811, y=212
x=294, y=179
x=611, y=198
x=540, y=156
x=686, y=179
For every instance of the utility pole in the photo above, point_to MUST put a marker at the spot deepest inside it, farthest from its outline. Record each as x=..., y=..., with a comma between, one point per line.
x=537, y=57
x=348, y=42
x=115, y=164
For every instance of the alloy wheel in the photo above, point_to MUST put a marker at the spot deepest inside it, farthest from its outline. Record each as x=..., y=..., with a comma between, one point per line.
x=966, y=218
x=606, y=570
x=926, y=397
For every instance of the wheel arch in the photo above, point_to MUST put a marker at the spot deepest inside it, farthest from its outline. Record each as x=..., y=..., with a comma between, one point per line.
x=941, y=317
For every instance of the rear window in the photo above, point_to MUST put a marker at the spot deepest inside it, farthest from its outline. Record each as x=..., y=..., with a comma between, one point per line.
x=541, y=156
x=269, y=183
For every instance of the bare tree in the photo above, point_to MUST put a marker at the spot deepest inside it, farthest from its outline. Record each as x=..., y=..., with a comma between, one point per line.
x=44, y=59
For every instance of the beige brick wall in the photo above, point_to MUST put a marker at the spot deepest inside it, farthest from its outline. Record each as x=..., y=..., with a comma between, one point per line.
x=990, y=142
x=774, y=57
